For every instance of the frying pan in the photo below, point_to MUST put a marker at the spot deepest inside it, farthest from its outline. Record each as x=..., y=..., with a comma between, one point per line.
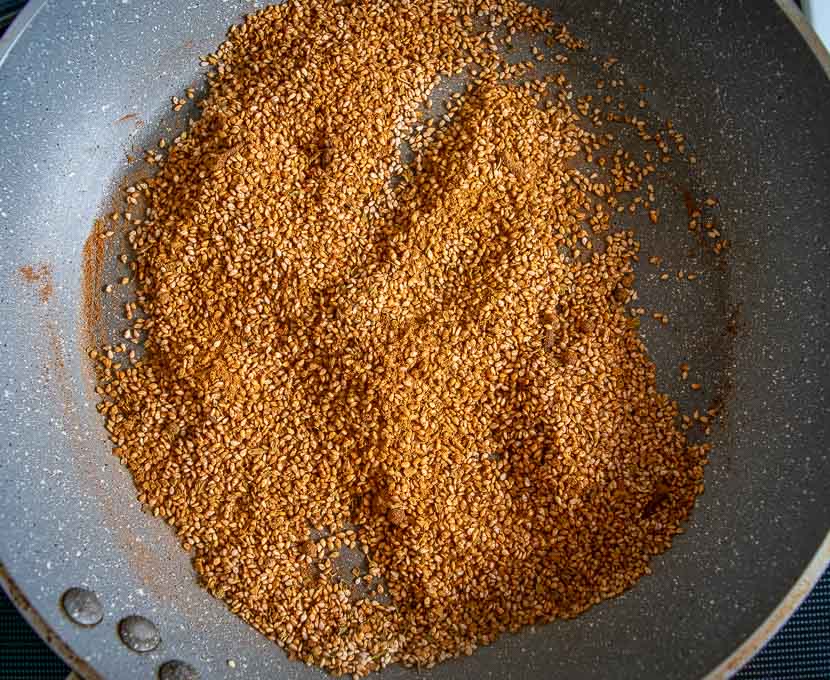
x=84, y=85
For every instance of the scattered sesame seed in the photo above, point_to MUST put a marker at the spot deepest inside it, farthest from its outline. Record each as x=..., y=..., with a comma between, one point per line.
x=430, y=362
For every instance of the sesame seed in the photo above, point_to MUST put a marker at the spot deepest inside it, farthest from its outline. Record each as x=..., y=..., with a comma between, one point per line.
x=396, y=407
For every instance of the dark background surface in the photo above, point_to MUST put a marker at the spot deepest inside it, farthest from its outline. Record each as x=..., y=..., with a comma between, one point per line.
x=800, y=651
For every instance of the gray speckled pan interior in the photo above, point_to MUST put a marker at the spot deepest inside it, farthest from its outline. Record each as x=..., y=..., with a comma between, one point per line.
x=87, y=83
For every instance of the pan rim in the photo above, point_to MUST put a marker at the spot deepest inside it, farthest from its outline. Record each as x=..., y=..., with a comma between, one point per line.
x=21, y=22
x=821, y=559
x=55, y=642
x=726, y=669
x=778, y=617
x=797, y=18
x=15, y=594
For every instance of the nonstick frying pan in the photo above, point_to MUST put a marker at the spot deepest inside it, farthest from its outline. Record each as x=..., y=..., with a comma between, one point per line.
x=84, y=85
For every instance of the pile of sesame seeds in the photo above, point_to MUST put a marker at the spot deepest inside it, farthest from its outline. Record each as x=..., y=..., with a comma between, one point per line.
x=390, y=396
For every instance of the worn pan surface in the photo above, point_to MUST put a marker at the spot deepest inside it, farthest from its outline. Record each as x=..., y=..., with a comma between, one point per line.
x=84, y=84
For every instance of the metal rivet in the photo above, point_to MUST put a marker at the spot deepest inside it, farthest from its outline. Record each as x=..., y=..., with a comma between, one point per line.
x=139, y=634
x=177, y=670
x=82, y=606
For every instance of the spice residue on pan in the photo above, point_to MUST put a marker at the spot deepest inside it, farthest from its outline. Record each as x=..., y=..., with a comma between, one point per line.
x=398, y=331
x=130, y=116
x=92, y=280
x=39, y=275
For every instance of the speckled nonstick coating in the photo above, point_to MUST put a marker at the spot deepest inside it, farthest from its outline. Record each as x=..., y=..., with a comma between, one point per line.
x=82, y=84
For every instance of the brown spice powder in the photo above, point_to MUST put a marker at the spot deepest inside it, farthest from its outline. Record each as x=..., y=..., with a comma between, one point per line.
x=39, y=274
x=92, y=272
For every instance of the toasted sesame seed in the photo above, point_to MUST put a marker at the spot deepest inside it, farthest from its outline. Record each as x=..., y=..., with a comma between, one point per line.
x=344, y=348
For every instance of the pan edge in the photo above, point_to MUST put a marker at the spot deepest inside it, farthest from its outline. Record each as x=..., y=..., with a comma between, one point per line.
x=803, y=26
x=779, y=616
x=21, y=22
